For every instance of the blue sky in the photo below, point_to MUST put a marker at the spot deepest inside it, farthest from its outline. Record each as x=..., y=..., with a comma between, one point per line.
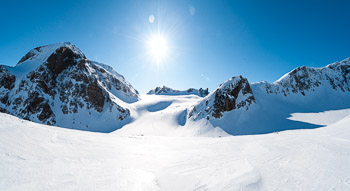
x=208, y=41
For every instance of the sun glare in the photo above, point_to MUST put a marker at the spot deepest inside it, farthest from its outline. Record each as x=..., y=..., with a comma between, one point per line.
x=158, y=48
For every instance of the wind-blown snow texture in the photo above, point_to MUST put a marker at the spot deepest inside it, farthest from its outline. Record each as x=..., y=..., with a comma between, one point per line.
x=57, y=85
x=39, y=157
x=266, y=107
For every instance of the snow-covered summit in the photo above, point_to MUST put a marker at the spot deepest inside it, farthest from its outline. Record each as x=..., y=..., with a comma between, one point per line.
x=35, y=57
x=42, y=53
x=169, y=91
x=57, y=85
x=334, y=76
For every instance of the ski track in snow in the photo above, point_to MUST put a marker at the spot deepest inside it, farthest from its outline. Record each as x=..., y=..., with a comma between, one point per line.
x=140, y=157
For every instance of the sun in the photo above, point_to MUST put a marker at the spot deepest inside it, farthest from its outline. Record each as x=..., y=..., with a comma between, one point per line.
x=158, y=47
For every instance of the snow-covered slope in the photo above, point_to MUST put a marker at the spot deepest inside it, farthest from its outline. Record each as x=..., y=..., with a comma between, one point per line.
x=57, y=85
x=39, y=157
x=266, y=107
x=162, y=115
x=168, y=91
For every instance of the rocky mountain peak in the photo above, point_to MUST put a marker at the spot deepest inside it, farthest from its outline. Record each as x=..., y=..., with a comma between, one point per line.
x=57, y=85
x=269, y=105
x=303, y=79
x=42, y=53
x=234, y=93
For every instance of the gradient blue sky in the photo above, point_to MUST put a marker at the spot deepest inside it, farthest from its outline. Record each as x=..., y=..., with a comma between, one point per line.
x=210, y=41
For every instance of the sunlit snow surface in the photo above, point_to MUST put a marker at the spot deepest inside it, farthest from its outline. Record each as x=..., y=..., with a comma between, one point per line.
x=162, y=115
x=321, y=118
x=142, y=155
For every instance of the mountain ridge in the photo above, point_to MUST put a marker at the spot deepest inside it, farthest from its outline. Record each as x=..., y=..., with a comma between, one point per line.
x=164, y=90
x=304, y=89
x=57, y=85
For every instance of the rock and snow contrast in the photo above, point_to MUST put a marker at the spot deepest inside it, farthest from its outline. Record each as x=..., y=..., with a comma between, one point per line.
x=57, y=85
x=169, y=139
x=168, y=91
x=235, y=93
x=240, y=108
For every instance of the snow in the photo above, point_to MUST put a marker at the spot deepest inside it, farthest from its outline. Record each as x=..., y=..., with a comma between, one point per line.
x=332, y=76
x=40, y=157
x=321, y=118
x=162, y=115
x=160, y=148
x=80, y=112
x=128, y=97
x=303, y=90
x=169, y=91
x=40, y=55
x=205, y=107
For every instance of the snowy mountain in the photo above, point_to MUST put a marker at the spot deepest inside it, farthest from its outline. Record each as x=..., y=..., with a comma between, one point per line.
x=57, y=85
x=242, y=108
x=235, y=93
x=169, y=142
x=168, y=91
x=303, y=80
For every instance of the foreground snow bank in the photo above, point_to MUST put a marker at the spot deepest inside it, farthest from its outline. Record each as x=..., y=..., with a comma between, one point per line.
x=39, y=157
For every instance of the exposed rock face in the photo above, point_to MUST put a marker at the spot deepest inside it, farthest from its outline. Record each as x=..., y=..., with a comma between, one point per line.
x=62, y=59
x=232, y=94
x=303, y=79
x=169, y=91
x=57, y=85
x=203, y=92
x=241, y=108
x=7, y=80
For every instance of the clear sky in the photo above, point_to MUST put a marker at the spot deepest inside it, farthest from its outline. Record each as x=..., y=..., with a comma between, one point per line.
x=207, y=42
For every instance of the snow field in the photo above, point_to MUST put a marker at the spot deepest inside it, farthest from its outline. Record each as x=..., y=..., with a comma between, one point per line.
x=40, y=157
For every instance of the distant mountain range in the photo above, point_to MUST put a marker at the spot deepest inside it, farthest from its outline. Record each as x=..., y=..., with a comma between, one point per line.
x=57, y=85
x=168, y=91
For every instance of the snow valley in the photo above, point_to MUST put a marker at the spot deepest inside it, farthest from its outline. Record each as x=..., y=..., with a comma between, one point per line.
x=69, y=123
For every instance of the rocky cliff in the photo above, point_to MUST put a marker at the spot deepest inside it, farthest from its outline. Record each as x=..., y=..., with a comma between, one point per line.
x=233, y=94
x=57, y=85
x=242, y=108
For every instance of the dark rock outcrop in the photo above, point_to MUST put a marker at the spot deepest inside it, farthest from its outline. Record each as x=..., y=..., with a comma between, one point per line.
x=240, y=108
x=64, y=88
x=304, y=79
x=230, y=95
